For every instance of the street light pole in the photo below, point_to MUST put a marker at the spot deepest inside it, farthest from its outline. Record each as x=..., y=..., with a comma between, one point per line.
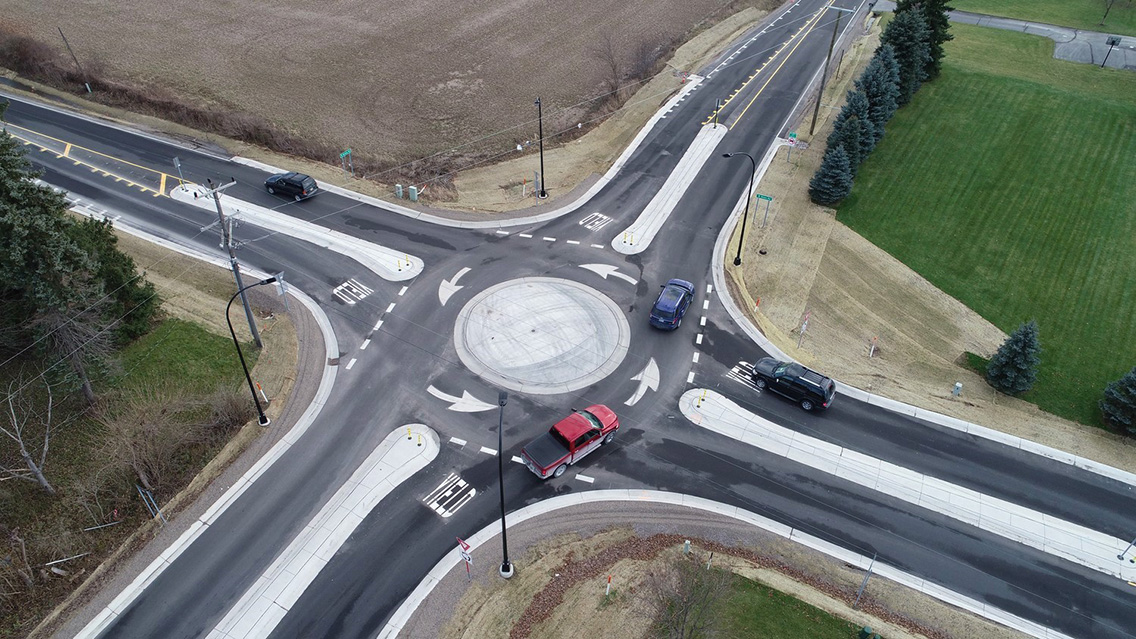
x=262, y=419
x=506, y=570
x=824, y=75
x=749, y=196
x=540, y=135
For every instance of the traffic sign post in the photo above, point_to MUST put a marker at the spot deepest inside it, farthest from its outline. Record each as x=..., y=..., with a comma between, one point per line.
x=345, y=162
x=463, y=548
x=768, y=199
x=792, y=143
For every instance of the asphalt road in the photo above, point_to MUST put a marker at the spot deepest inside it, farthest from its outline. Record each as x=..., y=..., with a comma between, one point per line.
x=657, y=448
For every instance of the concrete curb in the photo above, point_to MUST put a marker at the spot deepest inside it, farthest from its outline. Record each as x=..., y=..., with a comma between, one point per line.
x=453, y=559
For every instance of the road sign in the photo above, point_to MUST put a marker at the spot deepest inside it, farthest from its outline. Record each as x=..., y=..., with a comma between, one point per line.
x=467, y=557
x=764, y=197
x=345, y=154
x=792, y=135
x=461, y=543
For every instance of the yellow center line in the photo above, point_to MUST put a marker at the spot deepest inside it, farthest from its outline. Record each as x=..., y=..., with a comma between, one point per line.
x=768, y=60
x=30, y=138
x=814, y=21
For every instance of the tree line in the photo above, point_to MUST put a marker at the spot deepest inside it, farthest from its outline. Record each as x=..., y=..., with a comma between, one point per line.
x=69, y=299
x=910, y=53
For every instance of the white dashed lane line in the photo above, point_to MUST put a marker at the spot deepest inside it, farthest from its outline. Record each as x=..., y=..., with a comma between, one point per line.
x=390, y=308
x=365, y=344
x=698, y=340
x=459, y=442
x=695, y=357
x=488, y=451
x=351, y=363
x=403, y=291
x=527, y=236
x=702, y=322
x=690, y=378
x=585, y=478
x=518, y=459
x=548, y=239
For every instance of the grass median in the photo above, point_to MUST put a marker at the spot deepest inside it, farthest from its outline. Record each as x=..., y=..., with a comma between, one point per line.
x=1007, y=183
x=1079, y=14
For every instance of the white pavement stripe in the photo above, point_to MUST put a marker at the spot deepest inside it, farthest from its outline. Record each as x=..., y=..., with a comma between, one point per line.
x=459, y=442
x=695, y=358
x=599, y=246
x=403, y=291
x=518, y=459
x=278, y=588
x=502, y=232
x=705, y=304
x=690, y=378
x=572, y=241
x=488, y=451
x=585, y=478
x=365, y=344
x=378, y=325
x=702, y=322
x=1038, y=530
x=390, y=308
x=709, y=289
x=351, y=363
x=527, y=236
x=698, y=339
x=548, y=239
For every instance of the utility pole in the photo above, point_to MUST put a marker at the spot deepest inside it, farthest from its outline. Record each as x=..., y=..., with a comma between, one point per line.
x=824, y=76
x=86, y=81
x=227, y=243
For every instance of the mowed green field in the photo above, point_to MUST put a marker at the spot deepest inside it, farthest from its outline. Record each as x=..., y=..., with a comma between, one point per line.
x=1079, y=14
x=1010, y=183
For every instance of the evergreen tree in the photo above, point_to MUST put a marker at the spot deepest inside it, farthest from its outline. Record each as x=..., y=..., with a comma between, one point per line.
x=936, y=13
x=62, y=282
x=880, y=85
x=909, y=36
x=1119, y=403
x=848, y=135
x=833, y=180
x=1013, y=368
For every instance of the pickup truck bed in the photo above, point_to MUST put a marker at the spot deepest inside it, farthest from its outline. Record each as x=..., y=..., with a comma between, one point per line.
x=545, y=450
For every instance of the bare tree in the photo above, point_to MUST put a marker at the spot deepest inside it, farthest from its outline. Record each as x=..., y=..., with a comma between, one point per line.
x=607, y=52
x=149, y=431
x=684, y=595
x=27, y=426
x=78, y=335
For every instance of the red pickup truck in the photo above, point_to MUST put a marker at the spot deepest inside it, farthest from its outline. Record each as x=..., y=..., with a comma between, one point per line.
x=569, y=440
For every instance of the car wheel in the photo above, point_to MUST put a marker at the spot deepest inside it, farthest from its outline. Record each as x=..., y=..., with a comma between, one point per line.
x=759, y=383
x=298, y=198
x=610, y=437
x=560, y=470
x=271, y=191
x=806, y=404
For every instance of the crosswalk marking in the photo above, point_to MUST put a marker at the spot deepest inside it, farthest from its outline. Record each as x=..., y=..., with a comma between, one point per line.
x=351, y=291
x=453, y=493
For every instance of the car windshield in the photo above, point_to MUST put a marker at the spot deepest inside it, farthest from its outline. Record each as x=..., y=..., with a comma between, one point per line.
x=309, y=184
x=780, y=369
x=595, y=422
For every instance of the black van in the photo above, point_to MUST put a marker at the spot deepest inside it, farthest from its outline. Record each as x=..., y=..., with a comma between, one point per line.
x=800, y=384
x=296, y=185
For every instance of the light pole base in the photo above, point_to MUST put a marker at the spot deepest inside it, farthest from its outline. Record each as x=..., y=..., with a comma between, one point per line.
x=263, y=420
x=506, y=570
x=542, y=195
x=737, y=261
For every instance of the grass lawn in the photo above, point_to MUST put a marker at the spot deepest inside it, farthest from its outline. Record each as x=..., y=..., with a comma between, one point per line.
x=1008, y=183
x=1079, y=14
x=755, y=610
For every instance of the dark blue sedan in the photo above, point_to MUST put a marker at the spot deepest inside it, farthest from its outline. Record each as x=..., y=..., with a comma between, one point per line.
x=672, y=304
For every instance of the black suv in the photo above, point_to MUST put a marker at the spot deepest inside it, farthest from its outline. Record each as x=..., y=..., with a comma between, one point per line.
x=794, y=381
x=296, y=185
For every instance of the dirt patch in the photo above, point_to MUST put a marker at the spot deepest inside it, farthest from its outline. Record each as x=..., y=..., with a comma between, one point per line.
x=559, y=587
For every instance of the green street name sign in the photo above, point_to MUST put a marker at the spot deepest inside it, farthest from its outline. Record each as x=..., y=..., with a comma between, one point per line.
x=345, y=153
x=764, y=197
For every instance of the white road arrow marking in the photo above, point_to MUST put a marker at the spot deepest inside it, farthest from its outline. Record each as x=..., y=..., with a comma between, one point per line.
x=465, y=404
x=450, y=286
x=647, y=378
x=603, y=270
